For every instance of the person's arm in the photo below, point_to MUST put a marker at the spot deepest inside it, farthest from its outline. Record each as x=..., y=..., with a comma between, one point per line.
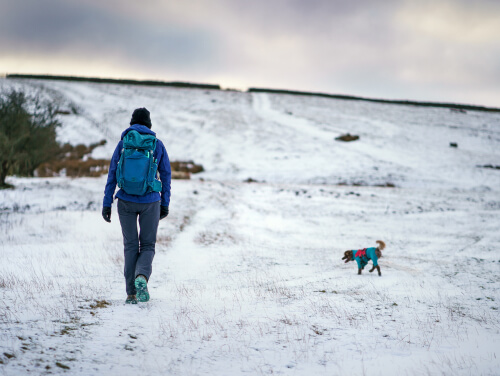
x=109, y=190
x=165, y=177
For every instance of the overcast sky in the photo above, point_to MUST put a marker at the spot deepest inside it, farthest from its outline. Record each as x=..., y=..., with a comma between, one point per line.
x=439, y=50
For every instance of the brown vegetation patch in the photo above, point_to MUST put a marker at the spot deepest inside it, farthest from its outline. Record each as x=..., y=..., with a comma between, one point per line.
x=74, y=168
x=182, y=170
x=66, y=330
x=356, y=184
x=347, y=137
x=79, y=151
x=164, y=240
x=73, y=161
x=63, y=366
x=250, y=180
x=181, y=175
x=63, y=112
x=490, y=167
x=186, y=220
x=186, y=166
x=100, y=304
x=209, y=238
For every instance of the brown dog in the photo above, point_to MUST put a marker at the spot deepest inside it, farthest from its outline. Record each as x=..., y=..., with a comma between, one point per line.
x=362, y=256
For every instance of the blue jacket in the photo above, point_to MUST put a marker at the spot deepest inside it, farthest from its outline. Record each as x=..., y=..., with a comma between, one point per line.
x=362, y=256
x=160, y=154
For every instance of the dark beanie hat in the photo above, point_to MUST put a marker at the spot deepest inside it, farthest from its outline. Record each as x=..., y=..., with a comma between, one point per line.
x=141, y=116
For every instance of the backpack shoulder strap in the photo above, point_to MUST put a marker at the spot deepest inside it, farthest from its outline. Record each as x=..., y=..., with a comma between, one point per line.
x=136, y=140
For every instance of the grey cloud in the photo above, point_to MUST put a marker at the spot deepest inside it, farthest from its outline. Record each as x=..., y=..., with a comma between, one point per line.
x=53, y=26
x=365, y=47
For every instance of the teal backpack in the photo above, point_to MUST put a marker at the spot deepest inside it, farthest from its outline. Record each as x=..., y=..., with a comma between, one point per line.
x=137, y=169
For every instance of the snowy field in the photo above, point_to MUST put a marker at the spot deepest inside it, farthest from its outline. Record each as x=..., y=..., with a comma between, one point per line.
x=248, y=277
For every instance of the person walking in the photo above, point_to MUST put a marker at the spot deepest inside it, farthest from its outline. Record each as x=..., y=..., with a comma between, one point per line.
x=147, y=202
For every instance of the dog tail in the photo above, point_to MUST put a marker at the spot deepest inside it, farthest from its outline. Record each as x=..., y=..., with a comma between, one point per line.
x=381, y=244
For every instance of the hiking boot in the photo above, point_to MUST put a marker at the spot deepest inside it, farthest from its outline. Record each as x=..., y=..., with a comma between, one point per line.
x=131, y=299
x=141, y=285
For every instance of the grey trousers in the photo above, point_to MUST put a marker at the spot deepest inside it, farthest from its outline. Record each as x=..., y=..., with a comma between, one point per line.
x=139, y=248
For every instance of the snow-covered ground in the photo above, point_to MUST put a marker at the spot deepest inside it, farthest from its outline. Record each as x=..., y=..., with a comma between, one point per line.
x=248, y=277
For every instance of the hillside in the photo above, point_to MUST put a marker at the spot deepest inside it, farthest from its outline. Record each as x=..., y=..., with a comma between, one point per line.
x=290, y=139
x=248, y=277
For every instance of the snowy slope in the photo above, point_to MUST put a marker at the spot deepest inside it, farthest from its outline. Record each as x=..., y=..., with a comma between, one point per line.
x=283, y=138
x=248, y=278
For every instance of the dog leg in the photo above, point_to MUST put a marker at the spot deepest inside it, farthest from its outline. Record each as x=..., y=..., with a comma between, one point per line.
x=378, y=270
x=359, y=271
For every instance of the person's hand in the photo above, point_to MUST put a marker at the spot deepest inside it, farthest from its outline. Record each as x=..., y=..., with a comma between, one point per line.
x=106, y=213
x=163, y=212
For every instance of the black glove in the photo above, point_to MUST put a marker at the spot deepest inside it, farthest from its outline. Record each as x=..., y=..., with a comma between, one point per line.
x=163, y=212
x=106, y=213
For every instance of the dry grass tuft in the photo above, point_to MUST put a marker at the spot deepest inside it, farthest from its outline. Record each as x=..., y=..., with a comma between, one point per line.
x=74, y=168
x=74, y=161
x=347, y=137
x=186, y=166
x=209, y=238
x=100, y=304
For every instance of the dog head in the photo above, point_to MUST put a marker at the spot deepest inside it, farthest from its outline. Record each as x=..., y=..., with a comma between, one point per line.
x=347, y=256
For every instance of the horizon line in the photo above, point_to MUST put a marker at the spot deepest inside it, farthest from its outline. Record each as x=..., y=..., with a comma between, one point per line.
x=184, y=84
